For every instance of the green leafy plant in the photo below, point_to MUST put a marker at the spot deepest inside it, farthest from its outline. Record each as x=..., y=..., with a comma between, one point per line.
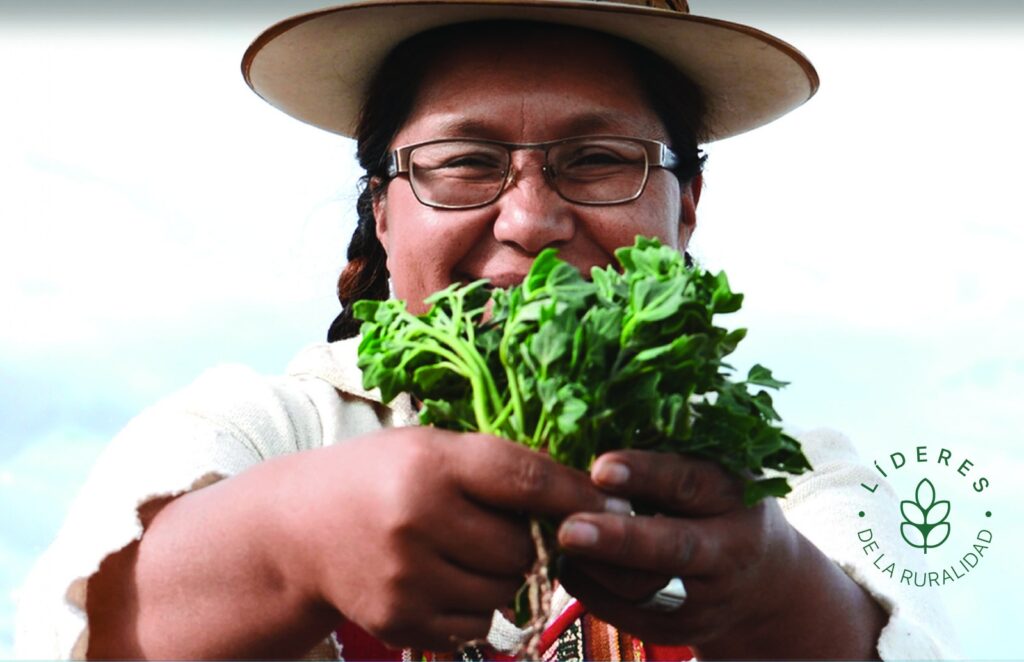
x=925, y=526
x=630, y=358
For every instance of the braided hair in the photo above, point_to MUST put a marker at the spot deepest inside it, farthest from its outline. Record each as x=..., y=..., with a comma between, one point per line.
x=675, y=98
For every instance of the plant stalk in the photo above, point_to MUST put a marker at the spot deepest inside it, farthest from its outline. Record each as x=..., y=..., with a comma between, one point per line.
x=540, y=592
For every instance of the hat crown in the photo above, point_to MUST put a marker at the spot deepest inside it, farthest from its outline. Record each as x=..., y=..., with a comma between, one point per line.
x=680, y=6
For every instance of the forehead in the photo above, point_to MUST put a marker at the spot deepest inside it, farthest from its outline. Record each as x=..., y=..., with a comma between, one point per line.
x=531, y=84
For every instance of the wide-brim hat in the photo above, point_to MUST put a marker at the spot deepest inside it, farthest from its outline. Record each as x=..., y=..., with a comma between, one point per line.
x=317, y=67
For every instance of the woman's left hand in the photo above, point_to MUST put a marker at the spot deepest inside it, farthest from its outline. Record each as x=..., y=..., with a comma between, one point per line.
x=750, y=577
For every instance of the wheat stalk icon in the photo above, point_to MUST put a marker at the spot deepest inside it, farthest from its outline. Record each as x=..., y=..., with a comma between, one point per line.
x=924, y=519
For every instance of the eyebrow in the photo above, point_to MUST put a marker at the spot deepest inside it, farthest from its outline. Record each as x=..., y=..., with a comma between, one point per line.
x=595, y=122
x=578, y=125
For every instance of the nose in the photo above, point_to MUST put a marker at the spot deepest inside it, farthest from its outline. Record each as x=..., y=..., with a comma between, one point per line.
x=530, y=213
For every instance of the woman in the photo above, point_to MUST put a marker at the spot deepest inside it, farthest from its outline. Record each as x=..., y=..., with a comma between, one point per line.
x=231, y=520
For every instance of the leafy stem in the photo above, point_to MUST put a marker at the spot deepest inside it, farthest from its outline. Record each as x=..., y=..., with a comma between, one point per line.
x=462, y=353
x=515, y=403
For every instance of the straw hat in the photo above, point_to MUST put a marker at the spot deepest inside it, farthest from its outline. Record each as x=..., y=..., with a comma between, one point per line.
x=317, y=66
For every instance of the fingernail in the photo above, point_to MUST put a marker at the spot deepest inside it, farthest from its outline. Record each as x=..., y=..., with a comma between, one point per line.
x=577, y=533
x=618, y=506
x=611, y=473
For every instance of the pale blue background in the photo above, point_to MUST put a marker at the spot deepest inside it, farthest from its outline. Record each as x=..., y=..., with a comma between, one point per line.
x=158, y=219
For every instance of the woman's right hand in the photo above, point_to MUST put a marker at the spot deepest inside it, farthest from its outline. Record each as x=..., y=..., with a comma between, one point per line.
x=418, y=534
x=414, y=534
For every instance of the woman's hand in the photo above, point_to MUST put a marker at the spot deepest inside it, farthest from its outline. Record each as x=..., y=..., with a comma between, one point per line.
x=756, y=587
x=414, y=534
x=418, y=534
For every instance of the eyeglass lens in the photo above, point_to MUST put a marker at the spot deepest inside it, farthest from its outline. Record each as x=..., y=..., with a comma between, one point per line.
x=464, y=173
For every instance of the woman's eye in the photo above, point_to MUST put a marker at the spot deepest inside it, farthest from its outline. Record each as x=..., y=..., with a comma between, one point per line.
x=595, y=158
x=472, y=161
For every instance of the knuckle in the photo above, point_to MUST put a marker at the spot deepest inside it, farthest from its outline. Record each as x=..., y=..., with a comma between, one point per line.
x=626, y=538
x=389, y=623
x=420, y=451
x=399, y=608
x=398, y=514
x=387, y=631
x=685, y=485
x=408, y=454
x=676, y=549
x=397, y=587
x=531, y=477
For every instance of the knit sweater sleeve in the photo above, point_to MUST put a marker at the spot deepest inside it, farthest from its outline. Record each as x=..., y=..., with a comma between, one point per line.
x=824, y=507
x=227, y=421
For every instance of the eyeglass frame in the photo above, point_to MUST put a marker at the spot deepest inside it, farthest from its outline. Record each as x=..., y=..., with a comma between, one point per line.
x=656, y=155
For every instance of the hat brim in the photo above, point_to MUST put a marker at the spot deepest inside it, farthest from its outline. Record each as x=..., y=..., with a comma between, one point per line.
x=317, y=67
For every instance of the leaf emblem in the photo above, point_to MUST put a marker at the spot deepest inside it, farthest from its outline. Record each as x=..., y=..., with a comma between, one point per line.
x=912, y=513
x=938, y=513
x=939, y=534
x=925, y=494
x=912, y=535
x=924, y=523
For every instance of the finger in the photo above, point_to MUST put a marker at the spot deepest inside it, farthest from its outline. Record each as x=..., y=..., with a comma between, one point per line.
x=694, y=623
x=441, y=632
x=667, y=545
x=454, y=589
x=627, y=584
x=651, y=626
x=675, y=483
x=504, y=474
x=500, y=544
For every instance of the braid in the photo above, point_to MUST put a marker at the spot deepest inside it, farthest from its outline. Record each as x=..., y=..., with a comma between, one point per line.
x=388, y=102
x=366, y=274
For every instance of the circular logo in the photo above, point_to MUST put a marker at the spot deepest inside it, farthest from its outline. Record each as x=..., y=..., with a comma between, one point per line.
x=938, y=529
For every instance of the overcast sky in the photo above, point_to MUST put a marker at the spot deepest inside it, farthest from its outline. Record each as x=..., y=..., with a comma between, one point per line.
x=158, y=219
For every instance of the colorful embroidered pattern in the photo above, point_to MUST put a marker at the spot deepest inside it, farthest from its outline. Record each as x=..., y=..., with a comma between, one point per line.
x=569, y=645
x=568, y=639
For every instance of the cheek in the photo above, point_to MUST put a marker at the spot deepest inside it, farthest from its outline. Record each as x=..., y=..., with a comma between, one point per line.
x=423, y=247
x=655, y=214
x=663, y=214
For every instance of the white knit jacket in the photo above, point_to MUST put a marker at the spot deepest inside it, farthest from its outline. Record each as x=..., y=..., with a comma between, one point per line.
x=232, y=418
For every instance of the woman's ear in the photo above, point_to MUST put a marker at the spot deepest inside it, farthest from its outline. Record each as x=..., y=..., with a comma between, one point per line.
x=696, y=186
x=380, y=216
x=690, y=193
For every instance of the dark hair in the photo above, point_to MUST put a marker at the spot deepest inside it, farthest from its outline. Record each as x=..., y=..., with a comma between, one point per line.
x=676, y=100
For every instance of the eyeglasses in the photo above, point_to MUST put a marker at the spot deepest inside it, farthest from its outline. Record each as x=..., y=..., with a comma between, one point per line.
x=460, y=173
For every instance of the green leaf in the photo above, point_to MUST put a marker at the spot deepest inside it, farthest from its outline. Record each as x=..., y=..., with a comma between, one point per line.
x=762, y=376
x=551, y=342
x=723, y=300
x=754, y=491
x=571, y=411
x=731, y=340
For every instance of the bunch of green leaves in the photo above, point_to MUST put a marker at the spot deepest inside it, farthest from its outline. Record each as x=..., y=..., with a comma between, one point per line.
x=630, y=358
